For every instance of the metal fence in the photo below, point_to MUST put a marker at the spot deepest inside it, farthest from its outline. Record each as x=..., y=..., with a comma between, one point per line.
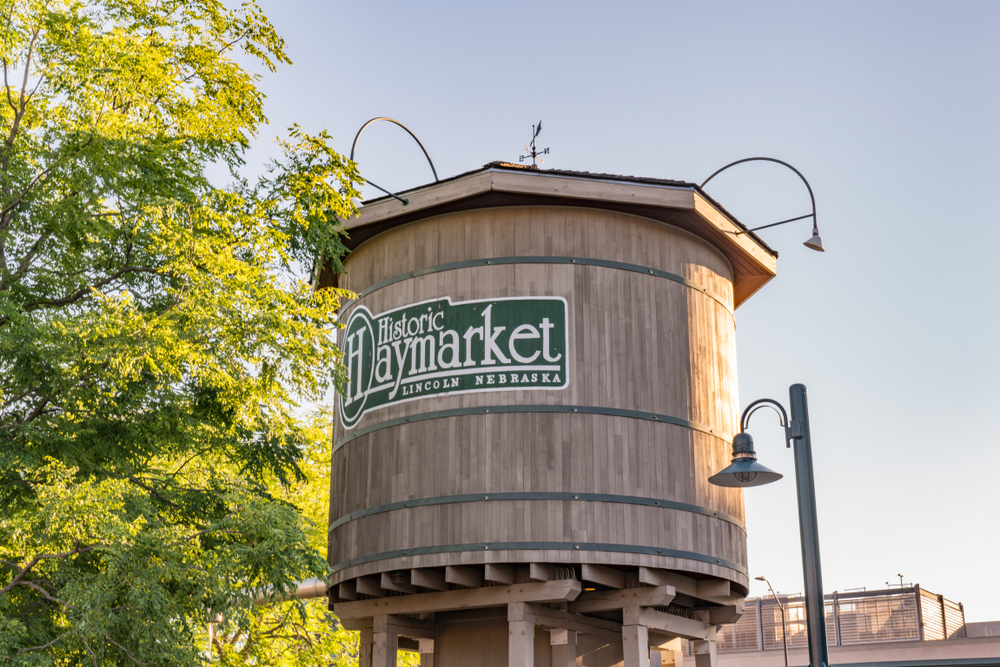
x=863, y=617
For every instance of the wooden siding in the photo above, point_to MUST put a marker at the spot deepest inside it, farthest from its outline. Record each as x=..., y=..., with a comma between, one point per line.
x=637, y=342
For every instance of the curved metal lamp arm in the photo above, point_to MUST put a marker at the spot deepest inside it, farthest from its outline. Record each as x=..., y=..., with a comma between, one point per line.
x=771, y=159
x=774, y=405
x=408, y=131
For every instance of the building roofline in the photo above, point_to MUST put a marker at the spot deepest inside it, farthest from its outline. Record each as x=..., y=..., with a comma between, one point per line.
x=498, y=184
x=588, y=176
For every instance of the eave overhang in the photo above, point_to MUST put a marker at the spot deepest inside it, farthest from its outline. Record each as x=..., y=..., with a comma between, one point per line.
x=682, y=205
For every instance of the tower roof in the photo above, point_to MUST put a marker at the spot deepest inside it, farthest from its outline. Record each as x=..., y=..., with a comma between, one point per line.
x=498, y=184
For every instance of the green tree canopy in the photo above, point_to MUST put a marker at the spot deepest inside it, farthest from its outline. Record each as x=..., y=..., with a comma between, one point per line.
x=156, y=333
x=286, y=634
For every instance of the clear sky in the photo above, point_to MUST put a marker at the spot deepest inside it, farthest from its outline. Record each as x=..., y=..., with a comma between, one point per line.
x=890, y=109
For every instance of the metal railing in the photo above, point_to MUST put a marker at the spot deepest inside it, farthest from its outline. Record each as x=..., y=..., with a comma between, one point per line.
x=864, y=617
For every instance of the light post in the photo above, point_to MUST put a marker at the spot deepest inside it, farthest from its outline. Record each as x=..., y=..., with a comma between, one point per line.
x=746, y=471
x=784, y=626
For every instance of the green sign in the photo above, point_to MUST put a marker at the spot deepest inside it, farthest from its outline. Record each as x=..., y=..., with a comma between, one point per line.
x=439, y=347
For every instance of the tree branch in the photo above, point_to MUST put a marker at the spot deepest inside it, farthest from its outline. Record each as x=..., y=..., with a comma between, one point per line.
x=153, y=492
x=79, y=294
x=129, y=654
x=11, y=401
x=48, y=596
x=39, y=648
x=93, y=656
x=18, y=112
x=32, y=416
x=205, y=532
x=6, y=85
x=190, y=458
x=25, y=263
x=6, y=209
x=16, y=581
x=27, y=68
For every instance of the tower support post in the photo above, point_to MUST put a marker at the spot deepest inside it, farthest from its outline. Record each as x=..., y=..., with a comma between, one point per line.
x=563, y=644
x=385, y=642
x=521, y=644
x=365, y=648
x=635, y=642
x=704, y=651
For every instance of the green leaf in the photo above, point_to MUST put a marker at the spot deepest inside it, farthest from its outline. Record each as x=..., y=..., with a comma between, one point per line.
x=157, y=336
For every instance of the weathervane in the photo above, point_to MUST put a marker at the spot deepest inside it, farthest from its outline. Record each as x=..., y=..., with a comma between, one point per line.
x=532, y=153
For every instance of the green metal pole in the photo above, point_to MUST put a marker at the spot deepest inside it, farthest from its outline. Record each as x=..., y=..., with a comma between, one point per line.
x=808, y=528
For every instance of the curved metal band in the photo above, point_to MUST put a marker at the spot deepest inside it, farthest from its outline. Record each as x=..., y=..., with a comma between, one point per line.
x=508, y=409
x=537, y=495
x=540, y=546
x=502, y=261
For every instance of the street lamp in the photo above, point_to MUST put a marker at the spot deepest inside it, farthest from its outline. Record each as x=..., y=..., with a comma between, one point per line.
x=746, y=471
x=814, y=242
x=784, y=627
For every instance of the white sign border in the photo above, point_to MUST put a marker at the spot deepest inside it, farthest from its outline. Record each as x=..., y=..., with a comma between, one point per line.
x=340, y=399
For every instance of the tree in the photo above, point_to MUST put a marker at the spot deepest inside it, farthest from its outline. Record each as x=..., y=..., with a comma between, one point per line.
x=296, y=634
x=156, y=332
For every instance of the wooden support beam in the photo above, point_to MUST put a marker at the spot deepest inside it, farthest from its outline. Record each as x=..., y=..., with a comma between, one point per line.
x=546, y=617
x=384, y=649
x=668, y=624
x=726, y=613
x=365, y=647
x=356, y=624
x=563, y=643
x=493, y=596
x=646, y=596
x=713, y=588
x=652, y=576
x=603, y=575
x=704, y=653
x=405, y=626
x=692, y=592
x=463, y=576
x=426, y=650
x=346, y=591
x=388, y=634
x=402, y=625
x=521, y=638
x=687, y=601
x=428, y=578
x=540, y=572
x=501, y=574
x=635, y=645
x=671, y=651
x=385, y=643
x=370, y=585
x=398, y=586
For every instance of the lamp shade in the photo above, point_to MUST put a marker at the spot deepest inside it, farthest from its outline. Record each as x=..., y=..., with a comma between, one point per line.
x=745, y=472
x=815, y=242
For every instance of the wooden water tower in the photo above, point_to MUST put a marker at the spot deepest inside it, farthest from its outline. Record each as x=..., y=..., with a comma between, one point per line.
x=542, y=380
